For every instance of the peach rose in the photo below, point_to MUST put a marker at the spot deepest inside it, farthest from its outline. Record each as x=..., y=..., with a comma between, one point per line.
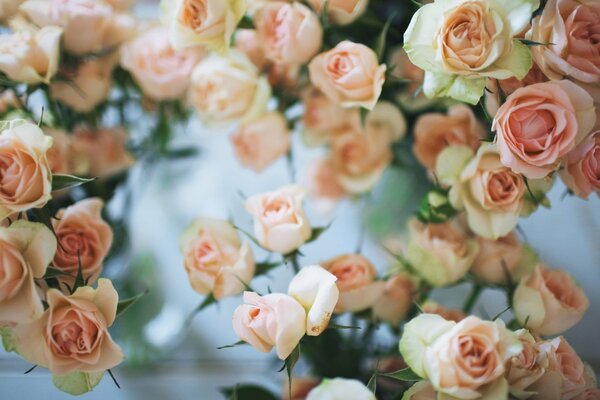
x=90, y=26
x=450, y=314
x=25, y=177
x=435, y=131
x=59, y=155
x=85, y=239
x=284, y=76
x=340, y=388
x=386, y=122
x=541, y=123
x=26, y=249
x=441, y=253
x=356, y=281
x=72, y=334
x=31, y=58
x=349, y=74
x=397, y=299
x=162, y=72
x=247, y=42
x=260, y=142
x=341, y=12
x=549, y=301
x=279, y=221
x=581, y=172
x=524, y=369
x=9, y=8
x=324, y=184
x=290, y=33
x=322, y=117
x=215, y=260
x=275, y=320
x=300, y=388
x=420, y=391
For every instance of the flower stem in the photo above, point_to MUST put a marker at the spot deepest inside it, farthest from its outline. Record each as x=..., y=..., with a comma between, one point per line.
x=473, y=297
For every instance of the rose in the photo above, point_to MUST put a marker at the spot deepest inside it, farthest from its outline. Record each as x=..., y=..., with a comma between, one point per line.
x=356, y=281
x=90, y=26
x=524, y=369
x=322, y=117
x=279, y=221
x=25, y=177
x=340, y=388
x=72, y=334
x=396, y=300
x=8, y=8
x=341, y=12
x=275, y=320
x=435, y=131
x=162, y=72
x=315, y=289
x=26, y=249
x=571, y=27
x=229, y=88
x=450, y=314
x=349, y=74
x=581, y=172
x=31, y=57
x=324, y=185
x=289, y=33
x=591, y=393
x=549, y=301
x=215, y=260
x=283, y=76
x=85, y=239
x=246, y=41
x=386, y=121
x=440, y=253
x=460, y=43
x=540, y=123
x=260, y=142
x=420, y=391
x=59, y=155
x=209, y=23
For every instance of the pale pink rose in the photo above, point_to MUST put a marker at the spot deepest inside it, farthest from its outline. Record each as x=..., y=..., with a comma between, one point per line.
x=527, y=367
x=341, y=12
x=25, y=176
x=397, y=299
x=290, y=33
x=246, y=41
x=349, y=74
x=215, y=260
x=435, y=131
x=581, y=172
x=260, y=142
x=26, y=249
x=84, y=238
x=59, y=155
x=449, y=314
x=8, y=8
x=403, y=68
x=497, y=258
x=275, y=320
x=539, y=124
x=72, y=334
x=284, y=76
x=280, y=224
x=324, y=185
x=162, y=72
x=549, y=301
x=356, y=281
x=300, y=388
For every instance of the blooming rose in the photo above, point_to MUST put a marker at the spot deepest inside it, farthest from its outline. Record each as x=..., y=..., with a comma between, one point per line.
x=59, y=155
x=290, y=33
x=72, y=334
x=260, y=142
x=246, y=41
x=275, y=320
x=90, y=26
x=460, y=43
x=339, y=389
x=581, y=171
x=450, y=314
x=397, y=299
x=202, y=22
x=420, y=391
x=25, y=177
x=215, y=260
x=162, y=72
x=341, y=12
x=549, y=301
x=30, y=58
x=279, y=221
x=435, y=131
x=229, y=88
x=85, y=239
x=315, y=288
x=323, y=117
x=540, y=123
x=386, y=121
x=356, y=281
x=441, y=253
x=349, y=74
x=26, y=249
x=527, y=367
x=324, y=184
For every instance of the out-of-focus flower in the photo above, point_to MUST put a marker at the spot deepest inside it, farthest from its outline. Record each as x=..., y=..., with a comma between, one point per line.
x=581, y=172
x=100, y=152
x=341, y=12
x=339, y=388
x=396, y=300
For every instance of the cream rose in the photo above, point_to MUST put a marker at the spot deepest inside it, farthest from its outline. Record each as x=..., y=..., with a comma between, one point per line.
x=396, y=300
x=9, y=8
x=525, y=369
x=315, y=289
x=356, y=281
x=549, y=301
x=581, y=172
x=162, y=72
x=441, y=253
x=339, y=388
x=247, y=42
x=324, y=184
x=25, y=177
x=323, y=117
x=450, y=314
x=279, y=221
x=31, y=58
x=260, y=142
x=341, y=12
x=26, y=249
x=275, y=320
x=215, y=260
x=72, y=334
x=349, y=74
x=290, y=33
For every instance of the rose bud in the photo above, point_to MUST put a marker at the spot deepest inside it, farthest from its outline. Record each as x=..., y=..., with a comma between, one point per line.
x=341, y=12
x=581, y=173
x=246, y=41
x=323, y=117
x=525, y=369
x=340, y=388
x=397, y=299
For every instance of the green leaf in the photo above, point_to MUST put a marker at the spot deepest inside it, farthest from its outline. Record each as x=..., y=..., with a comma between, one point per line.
x=406, y=375
x=528, y=42
x=290, y=363
x=265, y=267
x=53, y=273
x=230, y=346
x=336, y=326
x=246, y=23
x=381, y=40
x=247, y=392
x=77, y=383
x=8, y=339
x=372, y=384
x=125, y=304
x=61, y=182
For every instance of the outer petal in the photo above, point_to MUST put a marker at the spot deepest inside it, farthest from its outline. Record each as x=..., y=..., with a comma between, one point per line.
x=517, y=13
x=232, y=280
x=37, y=243
x=105, y=297
x=528, y=306
x=360, y=299
x=439, y=84
x=517, y=63
x=30, y=341
x=291, y=325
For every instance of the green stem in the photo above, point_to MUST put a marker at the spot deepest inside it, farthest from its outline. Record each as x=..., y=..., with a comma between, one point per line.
x=295, y=264
x=473, y=297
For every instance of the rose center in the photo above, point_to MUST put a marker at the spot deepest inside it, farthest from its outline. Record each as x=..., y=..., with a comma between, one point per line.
x=194, y=13
x=13, y=271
